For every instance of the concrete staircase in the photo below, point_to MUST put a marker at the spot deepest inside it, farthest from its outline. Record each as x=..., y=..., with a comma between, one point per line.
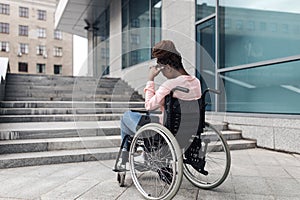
x=52, y=119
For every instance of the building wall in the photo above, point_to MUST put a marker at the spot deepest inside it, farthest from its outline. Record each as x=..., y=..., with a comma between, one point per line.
x=66, y=60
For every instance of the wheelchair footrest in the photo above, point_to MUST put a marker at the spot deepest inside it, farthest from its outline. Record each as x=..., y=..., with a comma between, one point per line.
x=120, y=170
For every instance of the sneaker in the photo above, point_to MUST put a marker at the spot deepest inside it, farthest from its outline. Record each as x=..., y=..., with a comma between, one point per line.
x=140, y=150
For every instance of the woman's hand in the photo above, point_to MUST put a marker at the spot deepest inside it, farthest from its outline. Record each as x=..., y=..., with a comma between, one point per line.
x=153, y=72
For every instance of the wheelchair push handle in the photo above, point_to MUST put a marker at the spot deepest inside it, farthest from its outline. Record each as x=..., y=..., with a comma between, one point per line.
x=211, y=90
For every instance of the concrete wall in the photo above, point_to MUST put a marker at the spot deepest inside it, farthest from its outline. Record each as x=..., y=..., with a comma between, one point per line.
x=278, y=132
x=115, y=40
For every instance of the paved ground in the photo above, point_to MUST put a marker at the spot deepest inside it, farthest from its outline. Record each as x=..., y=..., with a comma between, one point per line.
x=255, y=174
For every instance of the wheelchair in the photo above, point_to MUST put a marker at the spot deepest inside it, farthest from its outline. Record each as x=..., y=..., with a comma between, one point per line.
x=159, y=155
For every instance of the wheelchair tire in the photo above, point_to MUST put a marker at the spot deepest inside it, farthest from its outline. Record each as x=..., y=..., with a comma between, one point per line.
x=156, y=162
x=217, y=160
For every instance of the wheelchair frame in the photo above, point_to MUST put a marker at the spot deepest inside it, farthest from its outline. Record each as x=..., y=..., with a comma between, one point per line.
x=168, y=162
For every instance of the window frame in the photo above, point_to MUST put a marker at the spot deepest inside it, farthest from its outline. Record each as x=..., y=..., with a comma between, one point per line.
x=23, y=30
x=41, y=50
x=4, y=27
x=4, y=45
x=58, y=34
x=40, y=66
x=23, y=12
x=41, y=32
x=59, y=69
x=24, y=48
x=21, y=65
x=42, y=15
x=4, y=9
x=58, y=51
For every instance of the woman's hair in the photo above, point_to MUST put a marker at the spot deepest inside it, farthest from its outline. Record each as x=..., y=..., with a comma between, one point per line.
x=166, y=53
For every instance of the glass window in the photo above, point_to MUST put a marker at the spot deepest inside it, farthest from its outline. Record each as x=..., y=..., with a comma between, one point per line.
x=204, y=8
x=23, y=67
x=41, y=50
x=58, y=51
x=40, y=68
x=42, y=15
x=4, y=46
x=23, y=12
x=23, y=48
x=57, y=69
x=267, y=89
x=23, y=30
x=205, y=59
x=58, y=34
x=41, y=32
x=4, y=9
x=261, y=31
x=101, y=39
x=141, y=22
x=4, y=27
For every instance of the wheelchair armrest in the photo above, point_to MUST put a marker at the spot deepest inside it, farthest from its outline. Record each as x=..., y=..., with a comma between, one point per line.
x=142, y=110
x=181, y=89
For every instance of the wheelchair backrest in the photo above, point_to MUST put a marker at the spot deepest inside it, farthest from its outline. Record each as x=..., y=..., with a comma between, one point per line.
x=184, y=118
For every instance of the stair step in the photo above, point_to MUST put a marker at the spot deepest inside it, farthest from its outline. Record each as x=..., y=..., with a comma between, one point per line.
x=241, y=144
x=52, y=118
x=55, y=144
x=43, y=130
x=81, y=155
x=59, y=111
x=70, y=97
x=51, y=144
x=56, y=157
x=232, y=135
x=71, y=104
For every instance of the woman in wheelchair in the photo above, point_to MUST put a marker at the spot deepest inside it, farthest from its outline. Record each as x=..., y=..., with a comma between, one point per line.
x=161, y=149
x=169, y=63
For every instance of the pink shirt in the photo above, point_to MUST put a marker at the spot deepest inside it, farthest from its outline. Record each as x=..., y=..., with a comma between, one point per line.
x=155, y=99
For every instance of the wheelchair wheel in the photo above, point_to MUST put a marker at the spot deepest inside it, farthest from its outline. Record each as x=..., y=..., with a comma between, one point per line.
x=215, y=160
x=155, y=162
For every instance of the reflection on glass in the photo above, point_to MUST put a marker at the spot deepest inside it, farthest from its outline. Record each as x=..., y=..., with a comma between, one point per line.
x=269, y=89
x=254, y=31
x=102, y=43
x=204, y=8
x=206, y=55
x=137, y=37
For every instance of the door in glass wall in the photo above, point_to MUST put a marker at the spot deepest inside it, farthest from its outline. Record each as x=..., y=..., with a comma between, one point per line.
x=205, y=57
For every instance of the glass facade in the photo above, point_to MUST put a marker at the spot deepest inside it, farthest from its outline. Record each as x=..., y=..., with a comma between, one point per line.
x=101, y=43
x=258, y=56
x=137, y=37
x=267, y=89
x=204, y=8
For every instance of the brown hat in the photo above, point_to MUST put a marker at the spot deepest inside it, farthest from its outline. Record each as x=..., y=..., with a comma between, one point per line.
x=166, y=53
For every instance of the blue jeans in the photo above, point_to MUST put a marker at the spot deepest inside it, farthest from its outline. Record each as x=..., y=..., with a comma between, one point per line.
x=129, y=123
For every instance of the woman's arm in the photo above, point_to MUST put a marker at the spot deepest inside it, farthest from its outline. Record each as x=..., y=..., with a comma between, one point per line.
x=154, y=99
